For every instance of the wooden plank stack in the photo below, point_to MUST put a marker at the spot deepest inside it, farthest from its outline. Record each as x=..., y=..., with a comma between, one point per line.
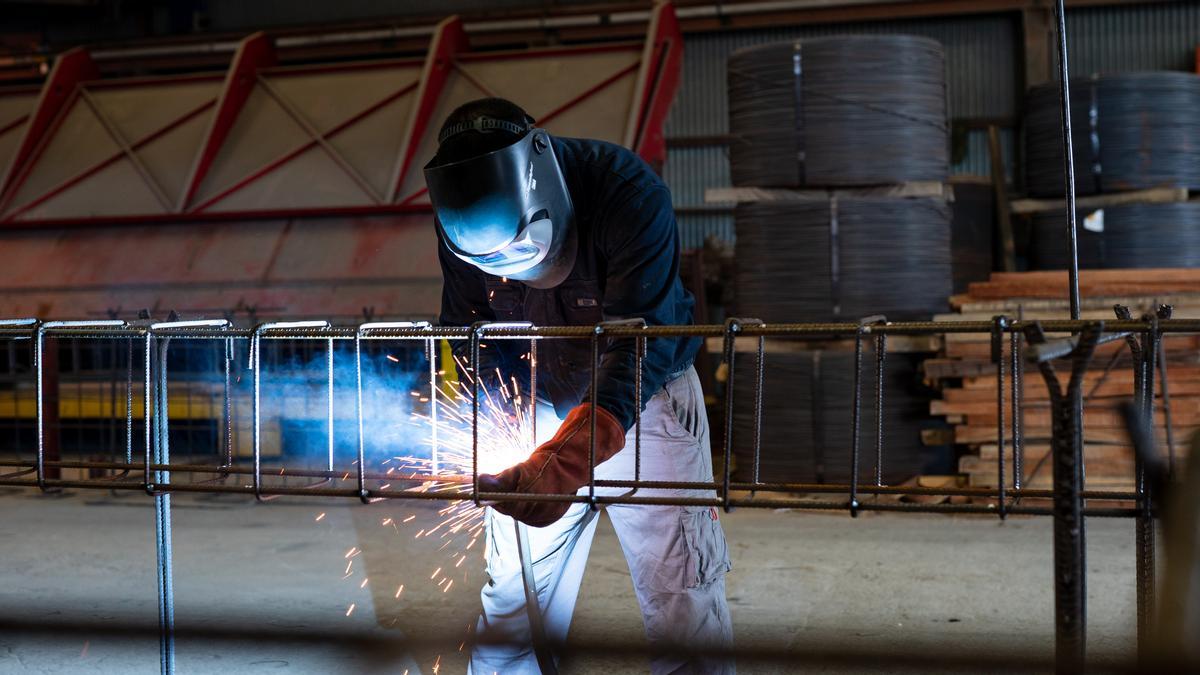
x=967, y=377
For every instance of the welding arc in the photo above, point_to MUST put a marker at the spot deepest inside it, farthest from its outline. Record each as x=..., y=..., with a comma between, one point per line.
x=807, y=415
x=842, y=259
x=1131, y=131
x=1134, y=236
x=846, y=110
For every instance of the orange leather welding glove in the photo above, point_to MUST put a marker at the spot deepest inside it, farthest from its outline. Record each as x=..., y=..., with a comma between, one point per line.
x=558, y=466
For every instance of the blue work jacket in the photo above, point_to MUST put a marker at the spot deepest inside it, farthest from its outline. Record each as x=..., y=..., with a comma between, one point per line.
x=627, y=267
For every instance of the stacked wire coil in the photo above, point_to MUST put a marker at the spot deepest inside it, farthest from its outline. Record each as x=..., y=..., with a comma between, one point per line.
x=1130, y=131
x=838, y=111
x=842, y=259
x=1124, y=236
x=807, y=429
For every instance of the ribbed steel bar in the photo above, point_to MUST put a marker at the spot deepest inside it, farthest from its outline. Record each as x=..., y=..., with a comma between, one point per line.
x=464, y=480
x=1064, y=87
x=783, y=329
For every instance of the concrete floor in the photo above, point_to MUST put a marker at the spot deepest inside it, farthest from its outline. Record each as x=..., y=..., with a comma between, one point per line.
x=262, y=588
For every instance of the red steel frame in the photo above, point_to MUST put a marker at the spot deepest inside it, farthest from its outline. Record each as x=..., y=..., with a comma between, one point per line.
x=108, y=161
x=301, y=149
x=71, y=69
x=254, y=53
x=657, y=81
x=449, y=39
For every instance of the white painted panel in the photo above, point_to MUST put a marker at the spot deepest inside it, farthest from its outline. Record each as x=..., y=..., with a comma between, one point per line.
x=372, y=144
x=79, y=144
x=328, y=99
x=602, y=116
x=262, y=133
x=169, y=157
x=116, y=190
x=541, y=84
x=311, y=180
x=141, y=110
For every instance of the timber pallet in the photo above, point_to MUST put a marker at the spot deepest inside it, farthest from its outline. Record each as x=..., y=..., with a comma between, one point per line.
x=1162, y=195
x=914, y=189
x=896, y=344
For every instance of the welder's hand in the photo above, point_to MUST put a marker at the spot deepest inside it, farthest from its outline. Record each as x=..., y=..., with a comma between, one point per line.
x=558, y=466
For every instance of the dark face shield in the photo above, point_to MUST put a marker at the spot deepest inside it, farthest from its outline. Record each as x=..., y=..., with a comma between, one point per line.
x=507, y=212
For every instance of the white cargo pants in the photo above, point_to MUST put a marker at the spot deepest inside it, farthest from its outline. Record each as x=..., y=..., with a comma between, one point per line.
x=676, y=554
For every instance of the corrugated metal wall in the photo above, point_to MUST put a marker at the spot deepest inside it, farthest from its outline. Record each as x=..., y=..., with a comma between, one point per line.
x=984, y=80
x=1161, y=36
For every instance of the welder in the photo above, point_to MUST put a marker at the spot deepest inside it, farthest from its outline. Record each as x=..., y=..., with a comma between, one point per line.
x=568, y=232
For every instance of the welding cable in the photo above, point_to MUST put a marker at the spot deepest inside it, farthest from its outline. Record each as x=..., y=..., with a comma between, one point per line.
x=807, y=401
x=846, y=110
x=1124, y=236
x=843, y=258
x=1131, y=131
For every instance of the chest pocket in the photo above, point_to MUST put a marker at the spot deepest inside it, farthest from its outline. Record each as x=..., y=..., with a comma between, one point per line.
x=581, y=303
x=505, y=300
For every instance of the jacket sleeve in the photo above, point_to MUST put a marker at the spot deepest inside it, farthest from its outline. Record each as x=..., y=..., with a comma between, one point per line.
x=640, y=242
x=465, y=302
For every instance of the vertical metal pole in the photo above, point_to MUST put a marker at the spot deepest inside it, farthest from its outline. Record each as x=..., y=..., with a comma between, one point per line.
x=759, y=380
x=592, y=418
x=999, y=323
x=256, y=416
x=40, y=405
x=162, y=523
x=358, y=409
x=732, y=326
x=533, y=393
x=1070, y=581
x=639, y=353
x=433, y=407
x=147, y=409
x=856, y=420
x=1071, y=646
x=880, y=358
x=473, y=364
x=1064, y=85
x=1144, y=522
x=129, y=404
x=1017, y=396
x=329, y=363
x=228, y=403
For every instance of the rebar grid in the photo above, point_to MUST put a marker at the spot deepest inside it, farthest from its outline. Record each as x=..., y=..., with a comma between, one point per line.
x=153, y=471
x=153, y=476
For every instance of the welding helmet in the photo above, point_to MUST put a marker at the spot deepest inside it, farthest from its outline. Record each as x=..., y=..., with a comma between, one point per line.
x=507, y=211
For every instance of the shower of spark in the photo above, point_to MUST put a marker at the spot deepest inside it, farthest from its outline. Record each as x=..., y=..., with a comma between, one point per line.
x=507, y=424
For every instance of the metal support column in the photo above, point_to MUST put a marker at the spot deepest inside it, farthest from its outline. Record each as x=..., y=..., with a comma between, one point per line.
x=1066, y=447
x=1144, y=350
x=162, y=517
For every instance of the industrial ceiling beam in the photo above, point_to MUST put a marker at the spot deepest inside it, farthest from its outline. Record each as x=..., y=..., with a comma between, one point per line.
x=126, y=149
x=299, y=150
x=658, y=80
x=106, y=162
x=253, y=54
x=320, y=139
x=449, y=39
x=70, y=69
x=561, y=24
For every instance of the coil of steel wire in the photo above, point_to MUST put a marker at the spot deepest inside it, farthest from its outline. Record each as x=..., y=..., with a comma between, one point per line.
x=842, y=259
x=847, y=110
x=1132, y=236
x=1131, y=131
x=808, y=399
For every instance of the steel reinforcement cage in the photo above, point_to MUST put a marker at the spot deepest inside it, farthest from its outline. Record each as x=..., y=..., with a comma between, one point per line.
x=148, y=467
